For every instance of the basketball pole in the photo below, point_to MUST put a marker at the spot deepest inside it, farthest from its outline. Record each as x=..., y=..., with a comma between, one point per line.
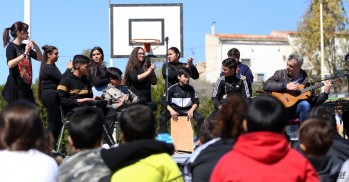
x=166, y=82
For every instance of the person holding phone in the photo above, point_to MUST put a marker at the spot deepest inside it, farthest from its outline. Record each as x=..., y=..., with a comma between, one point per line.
x=19, y=80
x=139, y=78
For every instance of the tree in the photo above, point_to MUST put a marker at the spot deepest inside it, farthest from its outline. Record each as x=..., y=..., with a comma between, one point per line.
x=336, y=36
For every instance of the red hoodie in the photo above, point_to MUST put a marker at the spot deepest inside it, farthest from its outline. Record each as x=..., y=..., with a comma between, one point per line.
x=263, y=156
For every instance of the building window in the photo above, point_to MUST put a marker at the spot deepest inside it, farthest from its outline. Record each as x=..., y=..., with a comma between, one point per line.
x=260, y=77
x=246, y=62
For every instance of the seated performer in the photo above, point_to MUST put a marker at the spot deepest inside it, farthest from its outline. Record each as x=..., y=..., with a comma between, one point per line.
x=75, y=91
x=227, y=85
x=117, y=95
x=182, y=100
x=289, y=80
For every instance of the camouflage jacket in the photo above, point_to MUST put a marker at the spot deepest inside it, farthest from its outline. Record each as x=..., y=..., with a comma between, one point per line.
x=86, y=165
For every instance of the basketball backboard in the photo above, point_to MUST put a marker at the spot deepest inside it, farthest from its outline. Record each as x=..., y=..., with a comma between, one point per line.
x=145, y=21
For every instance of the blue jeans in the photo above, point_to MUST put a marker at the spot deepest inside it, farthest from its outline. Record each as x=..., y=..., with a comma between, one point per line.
x=303, y=110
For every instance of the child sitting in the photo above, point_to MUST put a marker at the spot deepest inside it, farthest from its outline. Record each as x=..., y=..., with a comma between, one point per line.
x=182, y=100
x=117, y=95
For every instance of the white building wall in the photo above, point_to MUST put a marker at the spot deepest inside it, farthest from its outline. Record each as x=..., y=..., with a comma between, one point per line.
x=265, y=56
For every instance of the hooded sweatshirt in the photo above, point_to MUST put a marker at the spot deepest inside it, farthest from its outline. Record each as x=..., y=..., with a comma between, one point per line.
x=263, y=156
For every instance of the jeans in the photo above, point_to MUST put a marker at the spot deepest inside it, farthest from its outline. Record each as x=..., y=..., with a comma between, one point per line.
x=302, y=110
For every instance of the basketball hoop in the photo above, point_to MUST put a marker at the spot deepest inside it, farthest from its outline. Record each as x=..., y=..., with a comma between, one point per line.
x=146, y=44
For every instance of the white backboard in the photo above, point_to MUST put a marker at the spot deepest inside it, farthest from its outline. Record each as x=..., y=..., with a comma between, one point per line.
x=145, y=21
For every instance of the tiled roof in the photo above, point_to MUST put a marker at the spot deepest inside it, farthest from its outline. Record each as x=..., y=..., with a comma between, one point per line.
x=274, y=36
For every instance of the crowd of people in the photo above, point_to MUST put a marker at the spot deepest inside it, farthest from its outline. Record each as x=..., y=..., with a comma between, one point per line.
x=243, y=138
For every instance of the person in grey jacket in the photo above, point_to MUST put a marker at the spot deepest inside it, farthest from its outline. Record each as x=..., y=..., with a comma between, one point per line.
x=289, y=80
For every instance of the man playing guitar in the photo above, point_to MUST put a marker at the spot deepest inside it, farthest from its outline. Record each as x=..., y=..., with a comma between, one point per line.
x=287, y=84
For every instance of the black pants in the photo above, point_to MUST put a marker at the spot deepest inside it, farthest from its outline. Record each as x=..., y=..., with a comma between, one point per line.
x=167, y=115
x=50, y=100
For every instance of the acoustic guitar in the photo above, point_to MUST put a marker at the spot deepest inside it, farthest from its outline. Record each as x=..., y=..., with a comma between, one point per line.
x=290, y=98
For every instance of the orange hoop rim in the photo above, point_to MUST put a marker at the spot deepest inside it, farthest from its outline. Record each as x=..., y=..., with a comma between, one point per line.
x=146, y=41
x=151, y=41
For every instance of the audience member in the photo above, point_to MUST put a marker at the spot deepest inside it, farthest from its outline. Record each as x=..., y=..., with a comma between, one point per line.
x=315, y=137
x=263, y=153
x=340, y=146
x=85, y=136
x=20, y=131
x=138, y=123
x=227, y=128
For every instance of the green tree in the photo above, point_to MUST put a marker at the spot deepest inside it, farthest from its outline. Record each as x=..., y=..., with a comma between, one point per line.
x=335, y=36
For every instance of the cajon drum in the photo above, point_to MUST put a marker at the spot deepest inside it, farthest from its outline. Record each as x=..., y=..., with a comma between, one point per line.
x=182, y=134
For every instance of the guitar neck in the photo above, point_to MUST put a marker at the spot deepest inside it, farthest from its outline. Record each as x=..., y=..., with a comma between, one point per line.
x=312, y=87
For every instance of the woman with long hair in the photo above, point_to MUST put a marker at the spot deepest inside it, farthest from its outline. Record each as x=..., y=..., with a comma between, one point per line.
x=19, y=80
x=97, y=69
x=49, y=78
x=20, y=131
x=139, y=78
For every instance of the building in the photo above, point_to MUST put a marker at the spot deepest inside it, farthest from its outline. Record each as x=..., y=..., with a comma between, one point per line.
x=264, y=54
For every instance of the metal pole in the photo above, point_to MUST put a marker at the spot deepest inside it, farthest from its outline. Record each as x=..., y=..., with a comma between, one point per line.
x=27, y=15
x=322, y=45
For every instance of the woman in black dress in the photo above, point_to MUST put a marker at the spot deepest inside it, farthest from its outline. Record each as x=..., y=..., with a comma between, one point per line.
x=19, y=80
x=139, y=78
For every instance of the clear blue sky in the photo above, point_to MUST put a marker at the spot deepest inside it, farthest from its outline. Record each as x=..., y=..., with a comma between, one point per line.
x=75, y=25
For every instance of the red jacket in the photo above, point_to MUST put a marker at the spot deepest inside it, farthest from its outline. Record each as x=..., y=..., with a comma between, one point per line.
x=263, y=156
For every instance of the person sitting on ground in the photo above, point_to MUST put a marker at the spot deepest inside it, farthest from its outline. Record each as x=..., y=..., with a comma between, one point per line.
x=182, y=100
x=85, y=136
x=117, y=95
x=20, y=130
x=226, y=130
x=227, y=85
x=263, y=152
x=315, y=137
x=138, y=123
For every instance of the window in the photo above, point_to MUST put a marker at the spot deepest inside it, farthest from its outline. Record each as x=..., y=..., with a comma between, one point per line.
x=260, y=77
x=246, y=62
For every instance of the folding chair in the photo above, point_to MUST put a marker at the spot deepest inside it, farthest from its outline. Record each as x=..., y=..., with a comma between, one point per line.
x=62, y=129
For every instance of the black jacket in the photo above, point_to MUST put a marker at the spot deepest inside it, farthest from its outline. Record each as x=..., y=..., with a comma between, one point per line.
x=226, y=86
x=180, y=97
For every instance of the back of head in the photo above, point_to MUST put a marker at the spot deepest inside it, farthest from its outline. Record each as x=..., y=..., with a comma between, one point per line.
x=137, y=122
x=20, y=126
x=113, y=73
x=206, y=131
x=324, y=113
x=230, y=63
x=230, y=117
x=266, y=113
x=79, y=60
x=234, y=53
x=85, y=127
x=316, y=135
x=184, y=71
